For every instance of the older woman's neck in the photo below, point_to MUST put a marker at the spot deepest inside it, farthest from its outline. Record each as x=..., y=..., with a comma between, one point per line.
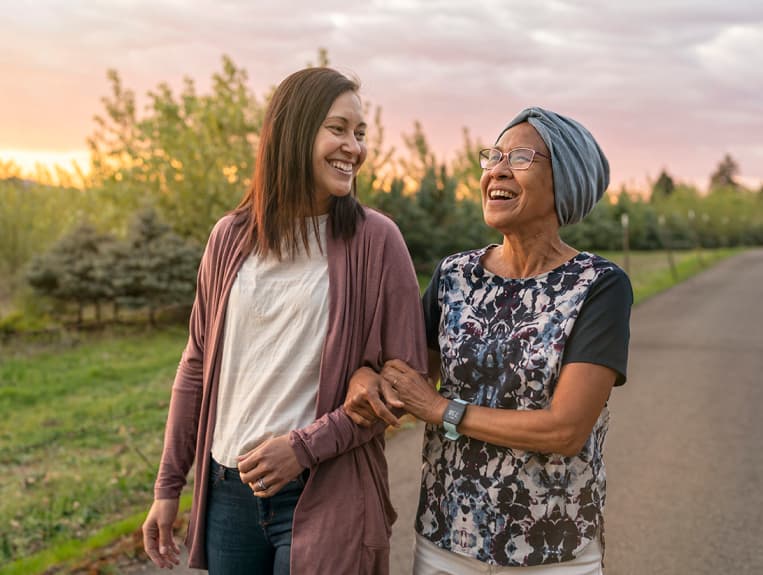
x=529, y=255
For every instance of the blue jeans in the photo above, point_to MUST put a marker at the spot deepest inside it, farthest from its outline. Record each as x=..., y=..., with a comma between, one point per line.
x=246, y=534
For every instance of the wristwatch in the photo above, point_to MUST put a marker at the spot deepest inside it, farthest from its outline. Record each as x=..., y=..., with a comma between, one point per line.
x=452, y=417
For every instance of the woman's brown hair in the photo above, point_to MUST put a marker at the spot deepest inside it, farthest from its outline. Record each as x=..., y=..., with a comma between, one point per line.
x=281, y=198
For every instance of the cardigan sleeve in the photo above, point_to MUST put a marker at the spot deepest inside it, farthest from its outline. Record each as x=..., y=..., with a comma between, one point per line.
x=330, y=435
x=185, y=402
x=396, y=331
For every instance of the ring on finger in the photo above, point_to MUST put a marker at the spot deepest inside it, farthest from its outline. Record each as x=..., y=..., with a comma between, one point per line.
x=261, y=485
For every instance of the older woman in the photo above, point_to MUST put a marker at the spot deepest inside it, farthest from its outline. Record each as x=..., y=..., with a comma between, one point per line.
x=528, y=338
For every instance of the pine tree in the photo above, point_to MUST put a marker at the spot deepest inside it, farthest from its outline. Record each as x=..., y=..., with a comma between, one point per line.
x=725, y=174
x=663, y=187
x=72, y=271
x=155, y=267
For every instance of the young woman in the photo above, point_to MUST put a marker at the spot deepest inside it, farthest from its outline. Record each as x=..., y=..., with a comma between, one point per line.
x=295, y=293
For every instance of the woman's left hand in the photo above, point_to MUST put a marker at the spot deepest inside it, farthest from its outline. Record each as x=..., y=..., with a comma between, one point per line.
x=419, y=396
x=271, y=464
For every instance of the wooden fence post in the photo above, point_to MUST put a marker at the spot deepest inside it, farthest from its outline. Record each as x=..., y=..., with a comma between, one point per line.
x=664, y=236
x=626, y=243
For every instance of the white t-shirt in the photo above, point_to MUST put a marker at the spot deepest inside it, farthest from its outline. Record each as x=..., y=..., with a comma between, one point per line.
x=275, y=328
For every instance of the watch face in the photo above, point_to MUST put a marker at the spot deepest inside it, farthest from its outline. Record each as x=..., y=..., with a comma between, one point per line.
x=454, y=413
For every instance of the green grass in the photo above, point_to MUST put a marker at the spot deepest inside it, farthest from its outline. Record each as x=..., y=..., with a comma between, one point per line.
x=72, y=550
x=650, y=272
x=81, y=430
x=81, y=436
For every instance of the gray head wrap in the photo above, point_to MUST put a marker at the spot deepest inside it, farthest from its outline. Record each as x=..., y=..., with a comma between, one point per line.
x=581, y=171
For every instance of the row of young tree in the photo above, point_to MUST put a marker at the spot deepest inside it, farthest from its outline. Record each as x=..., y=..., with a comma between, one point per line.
x=152, y=267
x=190, y=156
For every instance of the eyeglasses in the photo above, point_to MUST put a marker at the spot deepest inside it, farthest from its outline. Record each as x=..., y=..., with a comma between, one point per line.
x=519, y=158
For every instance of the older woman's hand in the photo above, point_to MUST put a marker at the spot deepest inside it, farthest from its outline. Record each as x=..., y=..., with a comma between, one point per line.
x=369, y=398
x=417, y=393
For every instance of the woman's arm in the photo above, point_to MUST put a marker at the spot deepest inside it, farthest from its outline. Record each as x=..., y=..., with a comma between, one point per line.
x=280, y=459
x=185, y=402
x=396, y=331
x=371, y=398
x=595, y=359
x=393, y=327
x=179, y=434
x=563, y=427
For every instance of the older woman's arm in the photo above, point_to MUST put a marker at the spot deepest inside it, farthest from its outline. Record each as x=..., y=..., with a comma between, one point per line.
x=595, y=359
x=563, y=427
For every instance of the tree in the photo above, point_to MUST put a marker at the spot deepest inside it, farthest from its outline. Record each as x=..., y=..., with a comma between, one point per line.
x=9, y=170
x=376, y=175
x=73, y=271
x=323, y=59
x=190, y=155
x=419, y=157
x=466, y=168
x=116, y=155
x=432, y=192
x=725, y=174
x=599, y=230
x=643, y=221
x=154, y=267
x=663, y=187
x=32, y=216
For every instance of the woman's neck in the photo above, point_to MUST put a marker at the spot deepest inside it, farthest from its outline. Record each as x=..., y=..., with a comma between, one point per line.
x=527, y=256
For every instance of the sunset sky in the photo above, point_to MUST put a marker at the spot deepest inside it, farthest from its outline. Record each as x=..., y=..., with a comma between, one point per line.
x=660, y=83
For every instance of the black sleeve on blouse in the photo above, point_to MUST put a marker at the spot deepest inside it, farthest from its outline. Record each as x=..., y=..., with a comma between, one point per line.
x=601, y=332
x=432, y=310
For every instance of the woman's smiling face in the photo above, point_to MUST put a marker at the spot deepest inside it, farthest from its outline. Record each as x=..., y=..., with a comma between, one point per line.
x=339, y=150
x=511, y=199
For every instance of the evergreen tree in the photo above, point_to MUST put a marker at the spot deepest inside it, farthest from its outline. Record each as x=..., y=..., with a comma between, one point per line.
x=466, y=169
x=73, y=271
x=725, y=174
x=663, y=187
x=155, y=267
x=374, y=177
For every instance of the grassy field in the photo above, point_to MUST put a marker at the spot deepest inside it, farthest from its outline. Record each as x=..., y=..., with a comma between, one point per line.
x=81, y=431
x=80, y=436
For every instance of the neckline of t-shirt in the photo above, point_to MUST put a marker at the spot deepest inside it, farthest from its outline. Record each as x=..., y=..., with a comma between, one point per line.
x=487, y=273
x=322, y=218
x=320, y=238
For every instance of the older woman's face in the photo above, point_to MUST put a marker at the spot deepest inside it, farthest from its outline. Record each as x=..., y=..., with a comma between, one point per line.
x=512, y=200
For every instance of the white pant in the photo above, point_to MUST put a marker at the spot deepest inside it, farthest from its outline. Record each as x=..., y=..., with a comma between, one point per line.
x=429, y=559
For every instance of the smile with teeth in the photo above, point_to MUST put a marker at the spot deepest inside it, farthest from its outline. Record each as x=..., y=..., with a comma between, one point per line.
x=502, y=195
x=345, y=167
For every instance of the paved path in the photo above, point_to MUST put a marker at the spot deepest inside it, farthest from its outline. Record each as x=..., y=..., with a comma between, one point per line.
x=685, y=448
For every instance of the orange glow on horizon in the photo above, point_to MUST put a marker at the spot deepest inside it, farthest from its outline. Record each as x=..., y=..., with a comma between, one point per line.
x=44, y=164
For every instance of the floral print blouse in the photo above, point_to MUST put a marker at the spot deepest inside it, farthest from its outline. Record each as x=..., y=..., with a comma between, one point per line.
x=502, y=344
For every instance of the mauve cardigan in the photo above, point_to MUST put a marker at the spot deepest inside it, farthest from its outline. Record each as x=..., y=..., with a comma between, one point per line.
x=343, y=518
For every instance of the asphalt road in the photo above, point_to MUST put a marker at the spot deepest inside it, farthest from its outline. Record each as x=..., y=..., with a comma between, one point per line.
x=685, y=449
x=684, y=452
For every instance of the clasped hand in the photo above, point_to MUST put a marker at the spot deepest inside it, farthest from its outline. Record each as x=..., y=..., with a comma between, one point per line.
x=372, y=396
